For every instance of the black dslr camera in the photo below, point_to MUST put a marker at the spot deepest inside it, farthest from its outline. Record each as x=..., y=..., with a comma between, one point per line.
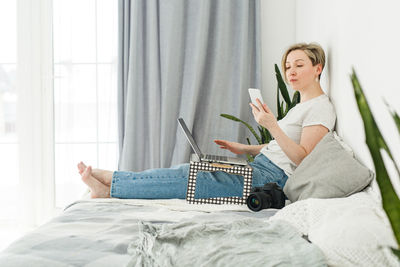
x=268, y=196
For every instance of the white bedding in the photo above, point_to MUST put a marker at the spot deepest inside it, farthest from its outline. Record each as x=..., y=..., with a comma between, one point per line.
x=351, y=231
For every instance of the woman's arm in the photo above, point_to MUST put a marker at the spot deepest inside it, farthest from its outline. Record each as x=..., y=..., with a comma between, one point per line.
x=310, y=135
x=254, y=150
x=239, y=148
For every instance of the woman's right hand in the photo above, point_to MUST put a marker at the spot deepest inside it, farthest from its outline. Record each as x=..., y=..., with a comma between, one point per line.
x=234, y=147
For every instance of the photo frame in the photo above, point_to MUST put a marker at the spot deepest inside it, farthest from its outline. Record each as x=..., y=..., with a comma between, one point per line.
x=196, y=166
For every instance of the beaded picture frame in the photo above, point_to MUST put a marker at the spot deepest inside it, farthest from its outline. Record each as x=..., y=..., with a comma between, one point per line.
x=196, y=166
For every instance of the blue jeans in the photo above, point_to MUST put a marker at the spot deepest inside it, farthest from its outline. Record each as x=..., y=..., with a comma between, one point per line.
x=172, y=182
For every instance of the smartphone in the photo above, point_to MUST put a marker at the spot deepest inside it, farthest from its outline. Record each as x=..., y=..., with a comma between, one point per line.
x=254, y=94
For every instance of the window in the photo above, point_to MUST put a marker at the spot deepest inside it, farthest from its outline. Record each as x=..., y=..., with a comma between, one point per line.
x=8, y=119
x=61, y=55
x=85, y=91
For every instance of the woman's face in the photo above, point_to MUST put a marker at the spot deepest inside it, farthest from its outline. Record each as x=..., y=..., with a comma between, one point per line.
x=300, y=73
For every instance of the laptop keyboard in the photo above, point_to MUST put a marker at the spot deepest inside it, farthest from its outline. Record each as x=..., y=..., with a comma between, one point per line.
x=218, y=158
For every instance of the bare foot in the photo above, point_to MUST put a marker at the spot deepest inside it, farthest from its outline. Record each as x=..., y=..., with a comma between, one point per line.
x=102, y=176
x=98, y=190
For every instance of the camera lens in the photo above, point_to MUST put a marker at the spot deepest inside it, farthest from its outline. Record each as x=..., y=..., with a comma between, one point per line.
x=254, y=202
x=258, y=201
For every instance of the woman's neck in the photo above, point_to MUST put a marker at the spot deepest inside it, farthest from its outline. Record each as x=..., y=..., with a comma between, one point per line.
x=310, y=92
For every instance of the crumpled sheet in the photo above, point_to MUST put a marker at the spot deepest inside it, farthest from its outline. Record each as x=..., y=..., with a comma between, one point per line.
x=237, y=242
x=97, y=232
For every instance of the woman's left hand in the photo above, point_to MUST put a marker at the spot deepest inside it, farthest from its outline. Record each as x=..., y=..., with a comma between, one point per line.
x=264, y=116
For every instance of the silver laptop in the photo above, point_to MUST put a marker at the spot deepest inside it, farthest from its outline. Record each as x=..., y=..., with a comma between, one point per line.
x=208, y=158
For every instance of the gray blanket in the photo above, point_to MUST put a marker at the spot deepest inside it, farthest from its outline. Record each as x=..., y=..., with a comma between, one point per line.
x=243, y=242
x=122, y=233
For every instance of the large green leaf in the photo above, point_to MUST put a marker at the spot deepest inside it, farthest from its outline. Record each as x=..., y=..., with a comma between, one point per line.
x=295, y=99
x=287, y=109
x=268, y=136
x=227, y=116
x=265, y=135
x=278, y=101
x=282, y=110
x=396, y=252
x=396, y=118
x=376, y=145
x=248, y=141
x=260, y=130
x=282, y=86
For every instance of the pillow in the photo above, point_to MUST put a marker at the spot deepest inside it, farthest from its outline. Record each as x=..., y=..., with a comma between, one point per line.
x=329, y=171
x=346, y=147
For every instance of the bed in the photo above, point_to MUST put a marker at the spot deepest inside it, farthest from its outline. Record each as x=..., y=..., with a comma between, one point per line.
x=115, y=232
x=335, y=218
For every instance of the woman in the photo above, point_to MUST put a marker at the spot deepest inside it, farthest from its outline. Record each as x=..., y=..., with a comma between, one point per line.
x=295, y=136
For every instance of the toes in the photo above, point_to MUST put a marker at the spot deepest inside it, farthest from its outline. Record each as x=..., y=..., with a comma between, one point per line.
x=81, y=167
x=86, y=173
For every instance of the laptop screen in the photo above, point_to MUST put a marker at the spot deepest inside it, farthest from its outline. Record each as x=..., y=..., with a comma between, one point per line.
x=190, y=138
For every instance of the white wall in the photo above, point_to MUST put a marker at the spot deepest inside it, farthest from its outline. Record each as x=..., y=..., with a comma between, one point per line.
x=277, y=33
x=363, y=34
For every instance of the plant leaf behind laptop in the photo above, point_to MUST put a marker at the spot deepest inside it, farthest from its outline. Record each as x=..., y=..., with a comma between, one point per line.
x=377, y=145
x=283, y=108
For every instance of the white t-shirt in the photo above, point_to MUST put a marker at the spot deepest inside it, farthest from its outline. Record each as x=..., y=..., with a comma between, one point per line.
x=316, y=111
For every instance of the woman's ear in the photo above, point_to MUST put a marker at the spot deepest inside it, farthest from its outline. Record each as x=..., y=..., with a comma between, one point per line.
x=318, y=71
x=319, y=68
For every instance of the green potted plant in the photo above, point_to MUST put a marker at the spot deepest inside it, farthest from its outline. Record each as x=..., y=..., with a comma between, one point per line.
x=377, y=145
x=283, y=107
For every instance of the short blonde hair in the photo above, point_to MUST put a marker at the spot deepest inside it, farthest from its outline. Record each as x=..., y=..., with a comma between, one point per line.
x=314, y=52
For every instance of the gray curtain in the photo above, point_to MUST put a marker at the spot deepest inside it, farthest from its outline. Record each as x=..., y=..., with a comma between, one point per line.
x=184, y=58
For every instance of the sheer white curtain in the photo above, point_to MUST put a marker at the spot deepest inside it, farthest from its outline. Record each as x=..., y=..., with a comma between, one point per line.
x=25, y=116
x=8, y=113
x=57, y=104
